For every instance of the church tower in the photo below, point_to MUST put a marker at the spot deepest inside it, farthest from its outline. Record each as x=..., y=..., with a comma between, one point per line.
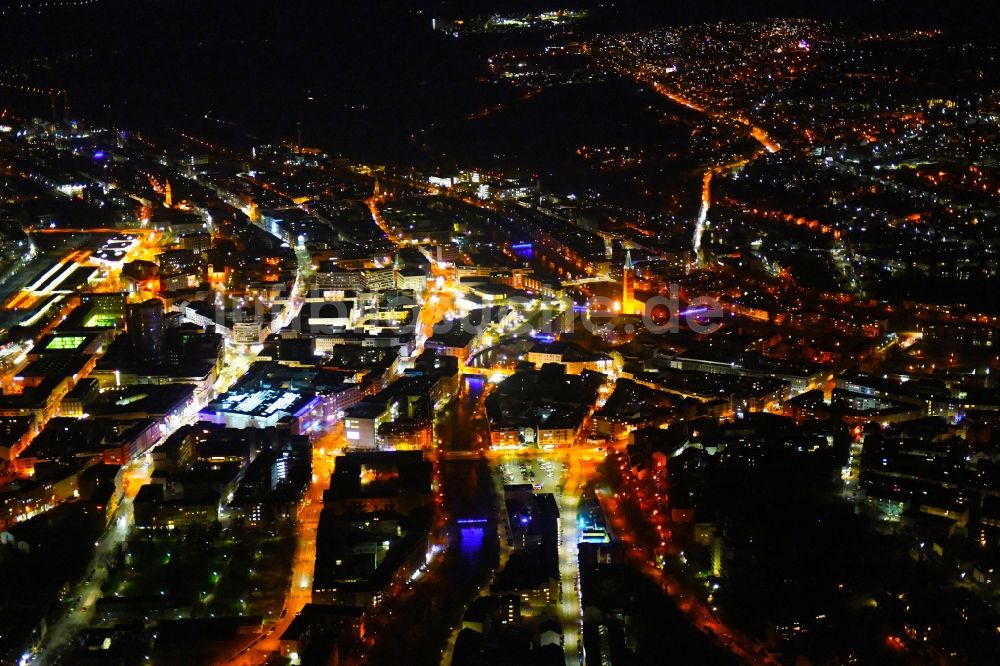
x=628, y=284
x=168, y=197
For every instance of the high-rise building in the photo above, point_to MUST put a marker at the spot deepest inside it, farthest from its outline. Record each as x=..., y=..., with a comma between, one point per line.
x=146, y=327
x=397, y=265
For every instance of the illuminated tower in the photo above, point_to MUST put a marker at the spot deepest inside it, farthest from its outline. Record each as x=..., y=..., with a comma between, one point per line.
x=168, y=197
x=628, y=284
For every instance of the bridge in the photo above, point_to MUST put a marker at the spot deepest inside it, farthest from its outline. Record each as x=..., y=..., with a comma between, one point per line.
x=485, y=372
x=587, y=280
x=461, y=455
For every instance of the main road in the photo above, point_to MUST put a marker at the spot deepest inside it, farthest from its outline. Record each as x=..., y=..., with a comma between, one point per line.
x=768, y=145
x=564, y=472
